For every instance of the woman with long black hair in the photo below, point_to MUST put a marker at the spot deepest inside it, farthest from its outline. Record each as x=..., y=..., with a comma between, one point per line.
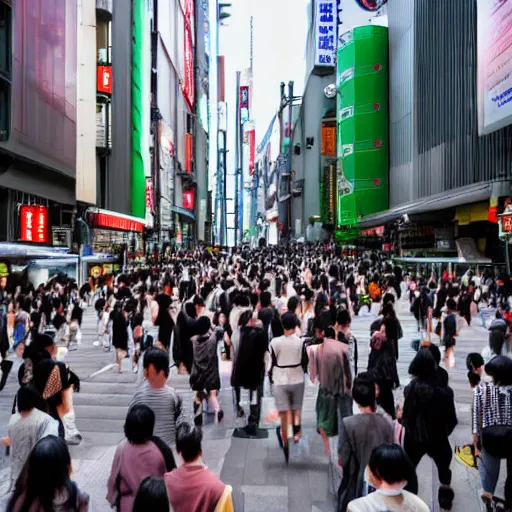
x=45, y=483
x=429, y=418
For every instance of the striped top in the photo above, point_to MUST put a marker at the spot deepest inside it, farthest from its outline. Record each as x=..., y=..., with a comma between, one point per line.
x=167, y=406
x=492, y=406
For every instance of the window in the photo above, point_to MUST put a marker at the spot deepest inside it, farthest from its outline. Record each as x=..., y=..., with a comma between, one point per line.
x=5, y=109
x=5, y=39
x=5, y=69
x=104, y=41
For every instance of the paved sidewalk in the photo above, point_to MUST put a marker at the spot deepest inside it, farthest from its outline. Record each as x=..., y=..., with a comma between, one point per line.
x=255, y=469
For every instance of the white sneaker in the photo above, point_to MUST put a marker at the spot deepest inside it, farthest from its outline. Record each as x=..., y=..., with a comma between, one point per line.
x=71, y=433
x=96, y=344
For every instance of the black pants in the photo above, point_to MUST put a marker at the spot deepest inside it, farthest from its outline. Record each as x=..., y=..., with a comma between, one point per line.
x=255, y=395
x=386, y=399
x=441, y=453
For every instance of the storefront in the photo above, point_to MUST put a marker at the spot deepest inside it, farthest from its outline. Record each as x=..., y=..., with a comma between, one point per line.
x=115, y=235
x=23, y=264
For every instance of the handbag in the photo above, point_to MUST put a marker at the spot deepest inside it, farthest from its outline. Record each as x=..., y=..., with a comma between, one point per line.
x=497, y=441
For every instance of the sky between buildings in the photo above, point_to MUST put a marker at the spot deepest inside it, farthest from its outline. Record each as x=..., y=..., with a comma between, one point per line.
x=279, y=42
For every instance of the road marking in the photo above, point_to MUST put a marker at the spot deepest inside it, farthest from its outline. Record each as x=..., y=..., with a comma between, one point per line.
x=103, y=370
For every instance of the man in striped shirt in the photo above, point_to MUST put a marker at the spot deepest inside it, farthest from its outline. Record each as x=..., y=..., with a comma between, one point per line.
x=159, y=397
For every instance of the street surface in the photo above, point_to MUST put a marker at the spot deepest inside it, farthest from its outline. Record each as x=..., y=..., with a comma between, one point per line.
x=255, y=468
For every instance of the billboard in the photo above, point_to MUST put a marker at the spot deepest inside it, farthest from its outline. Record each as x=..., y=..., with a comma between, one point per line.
x=44, y=64
x=362, y=118
x=494, y=68
x=357, y=13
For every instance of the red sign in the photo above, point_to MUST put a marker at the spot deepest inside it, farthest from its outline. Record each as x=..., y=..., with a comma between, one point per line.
x=188, y=199
x=188, y=79
x=34, y=224
x=104, y=81
x=251, y=135
x=106, y=220
x=244, y=97
x=150, y=205
x=189, y=148
x=378, y=231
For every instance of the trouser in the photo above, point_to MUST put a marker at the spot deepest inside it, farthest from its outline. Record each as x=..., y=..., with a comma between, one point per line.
x=489, y=469
x=255, y=396
x=441, y=453
x=345, y=409
x=386, y=399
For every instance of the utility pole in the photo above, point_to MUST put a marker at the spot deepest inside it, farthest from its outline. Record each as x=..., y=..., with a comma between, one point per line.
x=289, y=167
x=237, y=154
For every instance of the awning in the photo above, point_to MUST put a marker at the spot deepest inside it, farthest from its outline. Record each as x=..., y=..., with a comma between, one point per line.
x=99, y=218
x=449, y=199
x=189, y=214
x=12, y=250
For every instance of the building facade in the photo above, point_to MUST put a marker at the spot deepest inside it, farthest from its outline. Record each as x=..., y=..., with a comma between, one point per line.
x=446, y=177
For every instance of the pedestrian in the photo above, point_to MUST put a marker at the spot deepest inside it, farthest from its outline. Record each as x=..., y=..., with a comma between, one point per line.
x=342, y=326
x=329, y=365
x=450, y=333
x=163, y=400
x=193, y=487
x=119, y=329
x=359, y=435
x=286, y=367
x=26, y=428
x=388, y=471
x=205, y=377
x=139, y=456
x=45, y=482
x=248, y=370
x=151, y=496
x=429, y=418
x=492, y=430
x=382, y=365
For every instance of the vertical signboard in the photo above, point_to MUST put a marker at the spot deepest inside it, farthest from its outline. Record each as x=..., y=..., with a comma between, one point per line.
x=188, y=79
x=34, y=224
x=494, y=64
x=325, y=33
x=104, y=80
x=251, y=139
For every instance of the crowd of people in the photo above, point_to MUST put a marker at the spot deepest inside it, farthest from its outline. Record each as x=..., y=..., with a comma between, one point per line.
x=281, y=315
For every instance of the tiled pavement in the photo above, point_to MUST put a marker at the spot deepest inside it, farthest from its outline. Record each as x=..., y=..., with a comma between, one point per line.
x=255, y=468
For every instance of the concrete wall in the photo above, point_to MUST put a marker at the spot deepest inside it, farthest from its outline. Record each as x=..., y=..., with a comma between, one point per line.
x=401, y=100
x=308, y=165
x=86, y=102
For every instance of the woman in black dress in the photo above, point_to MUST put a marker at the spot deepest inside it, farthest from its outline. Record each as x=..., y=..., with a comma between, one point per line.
x=119, y=329
x=164, y=321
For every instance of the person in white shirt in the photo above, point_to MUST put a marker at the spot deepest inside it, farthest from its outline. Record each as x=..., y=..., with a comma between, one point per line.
x=287, y=376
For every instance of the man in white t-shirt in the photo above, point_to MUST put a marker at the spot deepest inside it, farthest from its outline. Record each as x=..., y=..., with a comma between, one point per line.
x=287, y=376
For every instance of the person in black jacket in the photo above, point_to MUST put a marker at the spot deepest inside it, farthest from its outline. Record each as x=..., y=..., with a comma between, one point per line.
x=249, y=367
x=429, y=418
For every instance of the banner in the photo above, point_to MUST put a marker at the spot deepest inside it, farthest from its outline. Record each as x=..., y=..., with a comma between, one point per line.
x=244, y=97
x=251, y=135
x=494, y=69
x=188, y=79
x=329, y=139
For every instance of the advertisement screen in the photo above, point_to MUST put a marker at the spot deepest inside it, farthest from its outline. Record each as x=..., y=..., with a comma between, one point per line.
x=44, y=71
x=494, y=64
